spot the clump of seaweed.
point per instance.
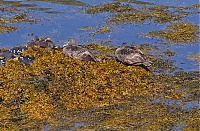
(5, 23)
(7, 28)
(101, 49)
(195, 57)
(18, 18)
(108, 7)
(126, 13)
(85, 28)
(98, 29)
(77, 84)
(177, 33)
(55, 87)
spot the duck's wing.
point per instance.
(46, 44)
(134, 59)
(85, 55)
(132, 56)
(32, 43)
(126, 52)
(72, 50)
(135, 50)
(69, 50)
(79, 52)
(137, 58)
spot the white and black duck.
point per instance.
(5, 55)
(131, 56)
(73, 50)
(16, 52)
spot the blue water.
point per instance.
(67, 20)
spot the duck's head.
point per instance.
(70, 42)
(48, 40)
(36, 38)
(123, 45)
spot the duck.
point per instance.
(44, 42)
(73, 50)
(33, 42)
(4, 56)
(130, 55)
(15, 53)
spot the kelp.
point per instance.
(195, 57)
(101, 49)
(19, 16)
(177, 33)
(104, 95)
(126, 13)
(7, 28)
(76, 84)
(97, 29)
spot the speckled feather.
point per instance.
(131, 56)
(72, 49)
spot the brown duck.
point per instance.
(73, 50)
(44, 42)
(131, 56)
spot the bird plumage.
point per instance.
(131, 56)
(44, 42)
(73, 50)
